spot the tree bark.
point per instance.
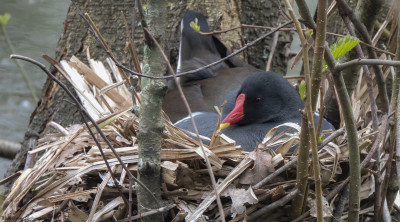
(74, 40)
(150, 121)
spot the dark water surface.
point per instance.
(34, 29)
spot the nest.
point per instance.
(70, 180)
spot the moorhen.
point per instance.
(209, 87)
(263, 101)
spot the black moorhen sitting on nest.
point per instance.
(211, 86)
(264, 100)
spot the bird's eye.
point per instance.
(258, 100)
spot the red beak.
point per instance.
(237, 113)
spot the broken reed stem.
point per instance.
(310, 115)
(272, 51)
(208, 164)
(321, 110)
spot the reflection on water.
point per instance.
(34, 29)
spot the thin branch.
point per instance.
(364, 35)
(356, 62)
(291, 29)
(148, 213)
(319, 47)
(267, 209)
(367, 74)
(302, 169)
(310, 115)
(292, 162)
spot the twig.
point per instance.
(310, 115)
(352, 138)
(267, 209)
(302, 169)
(291, 29)
(292, 162)
(209, 168)
(21, 68)
(131, 46)
(319, 47)
(367, 74)
(148, 213)
(356, 62)
(341, 204)
(364, 35)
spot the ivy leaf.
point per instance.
(321, 139)
(302, 90)
(4, 19)
(195, 25)
(343, 46)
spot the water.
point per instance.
(34, 29)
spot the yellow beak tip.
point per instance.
(224, 125)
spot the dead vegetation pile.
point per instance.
(70, 180)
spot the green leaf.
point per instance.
(302, 90)
(343, 46)
(4, 18)
(195, 25)
(309, 32)
(321, 139)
